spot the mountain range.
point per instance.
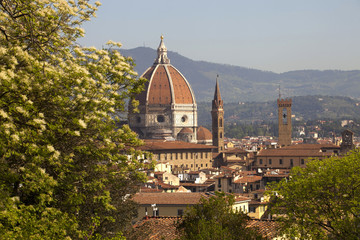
(240, 84)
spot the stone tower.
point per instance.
(347, 142)
(284, 107)
(217, 114)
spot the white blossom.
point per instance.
(50, 148)
(56, 154)
(82, 123)
(15, 137)
(3, 113)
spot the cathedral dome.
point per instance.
(186, 130)
(203, 134)
(166, 85)
(167, 102)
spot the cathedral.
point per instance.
(167, 106)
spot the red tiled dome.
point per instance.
(203, 134)
(166, 85)
(186, 130)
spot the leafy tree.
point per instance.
(214, 218)
(66, 169)
(321, 201)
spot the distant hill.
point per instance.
(239, 84)
(304, 108)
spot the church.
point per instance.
(167, 106)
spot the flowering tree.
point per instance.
(66, 169)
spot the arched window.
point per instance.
(221, 122)
(284, 115)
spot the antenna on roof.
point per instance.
(279, 92)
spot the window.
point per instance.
(270, 161)
(280, 161)
(138, 119)
(183, 118)
(260, 161)
(180, 212)
(291, 162)
(201, 165)
(284, 116)
(302, 161)
(160, 118)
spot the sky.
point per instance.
(270, 35)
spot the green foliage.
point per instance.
(65, 168)
(214, 218)
(321, 201)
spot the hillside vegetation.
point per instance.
(304, 108)
(250, 85)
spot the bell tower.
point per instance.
(347, 143)
(217, 114)
(284, 108)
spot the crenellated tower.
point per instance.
(284, 108)
(217, 114)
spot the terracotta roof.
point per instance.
(244, 173)
(203, 134)
(296, 152)
(267, 228)
(248, 179)
(167, 186)
(181, 198)
(189, 184)
(311, 146)
(152, 190)
(153, 228)
(235, 150)
(257, 202)
(172, 145)
(165, 228)
(242, 199)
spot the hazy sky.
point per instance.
(273, 35)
